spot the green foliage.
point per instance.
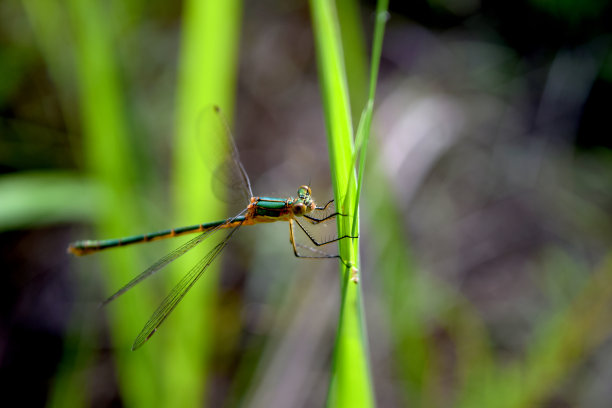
(351, 384)
(441, 348)
(207, 76)
(46, 198)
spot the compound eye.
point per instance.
(299, 208)
(303, 191)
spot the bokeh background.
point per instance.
(486, 228)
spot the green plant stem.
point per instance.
(351, 384)
(207, 76)
(365, 123)
(109, 160)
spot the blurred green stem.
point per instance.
(207, 76)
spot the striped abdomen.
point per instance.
(88, 246)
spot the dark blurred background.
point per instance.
(485, 215)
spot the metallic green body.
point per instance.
(272, 203)
(271, 207)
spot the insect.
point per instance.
(301, 211)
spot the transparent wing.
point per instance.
(166, 260)
(320, 231)
(321, 235)
(179, 291)
(230, 181)
(308, 251)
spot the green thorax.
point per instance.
(276, 207)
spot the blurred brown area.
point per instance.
(491, 126)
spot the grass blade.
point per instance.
(351, 384)
(207, 76)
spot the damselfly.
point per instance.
(301, 211)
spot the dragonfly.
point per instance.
(301, 211)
